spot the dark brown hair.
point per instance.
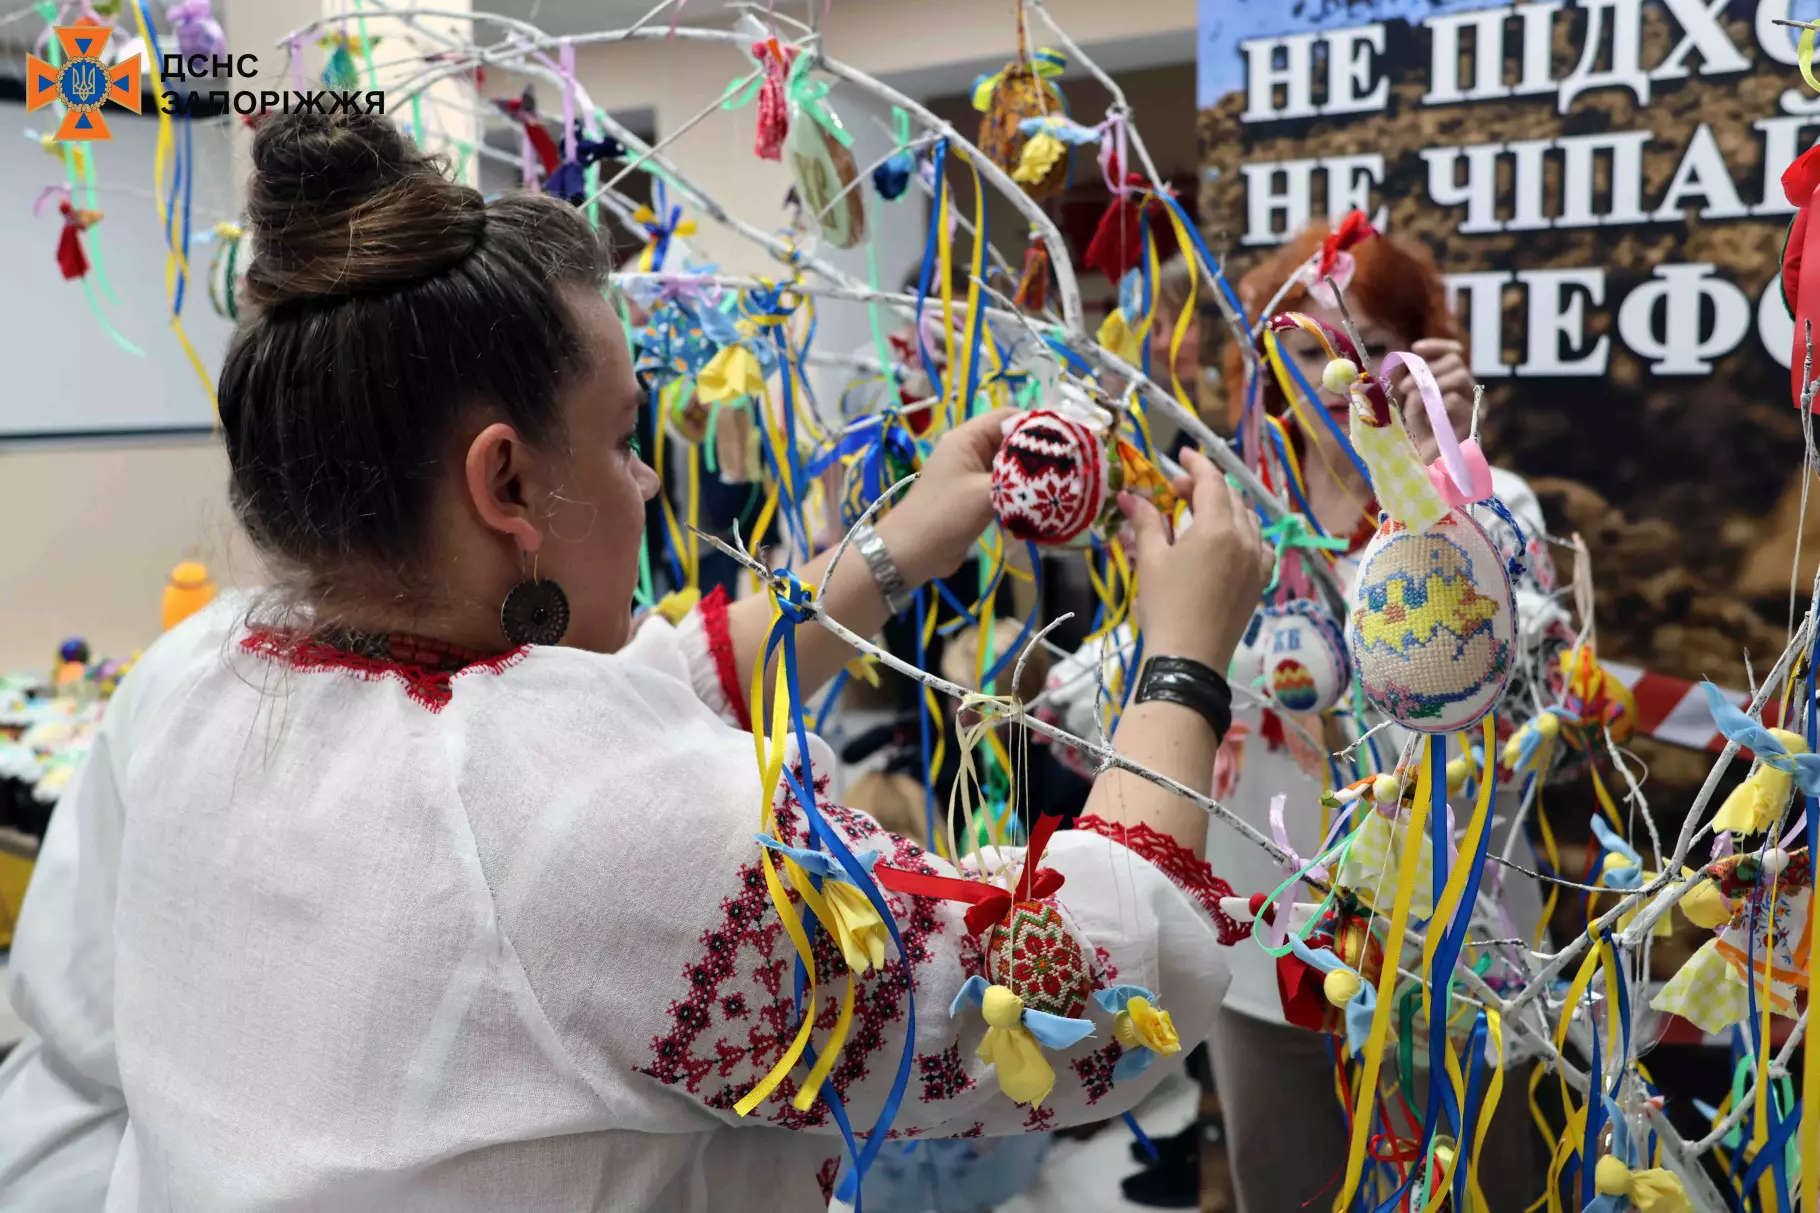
(388, 303)
(1395, 283)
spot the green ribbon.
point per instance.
(1294, 531)
(810, 95)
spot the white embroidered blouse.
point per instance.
(398, 940)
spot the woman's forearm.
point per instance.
(1171, 740)
(853, 598)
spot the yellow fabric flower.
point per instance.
(1041, 151)
(1755, 804)
(1141, 1024)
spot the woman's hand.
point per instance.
(1197, 591)
(1448, 362)
(931, 530)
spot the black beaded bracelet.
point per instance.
(1184, 681)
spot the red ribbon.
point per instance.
(989, 903)
(1353, 229)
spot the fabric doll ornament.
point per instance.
(1303, 666)
(1023, 90)
(72, 260)
(1334, 258)
(1769, 894)
(198, 33)
(1370, 868)
(1783, 763)
(821, 162)
(1433, 614)
(1312, 996)
(523, 111)
(838, 904)
(570, 180)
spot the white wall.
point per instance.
(94, 529)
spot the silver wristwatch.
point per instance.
(898, 596)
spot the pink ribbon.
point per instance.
(46, 194)
(698, 289)
(1461, 473)
(296, 63)
(1115, 155)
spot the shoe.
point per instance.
(1168, 1185)
(1168, 1149)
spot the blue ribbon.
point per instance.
(793, 606)
(1320, 410)
(938, 160)
(1629, 876)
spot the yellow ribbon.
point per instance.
(1804, 58)
(1023, 1072)
(770, 746)
(174, 261)
(1367, 1088)
(1046, 63)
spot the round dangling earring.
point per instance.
(535, 612)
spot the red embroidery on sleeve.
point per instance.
(1193, 876)
(713, 608)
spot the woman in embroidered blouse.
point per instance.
(414, 918)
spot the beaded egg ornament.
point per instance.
(1433, 615)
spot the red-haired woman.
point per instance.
(1287, 1135)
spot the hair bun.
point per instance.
(344, 204)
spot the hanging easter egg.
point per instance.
(1247, 666)
(1433, 624)
(1022, 91)
(1302, 657)
(1051, 478)
(824, 171)
(227, 270)
(687, 415)
(1033, 954)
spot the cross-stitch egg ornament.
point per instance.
(1032, 953)
(1433, 624)
(1302, 662)
(1433, 614)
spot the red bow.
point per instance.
(989, 903)
(1800, 181)
(1353, 229)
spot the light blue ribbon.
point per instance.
(1752, 736)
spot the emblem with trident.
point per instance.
(83, 85)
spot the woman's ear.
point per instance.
(496, 472)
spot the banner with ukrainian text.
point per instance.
(1599, 181)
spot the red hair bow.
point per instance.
(988, 903)
(1353, 230)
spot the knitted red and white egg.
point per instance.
(1050, 478)
(1033, 954)
(1433, 626)
(1302, 657)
